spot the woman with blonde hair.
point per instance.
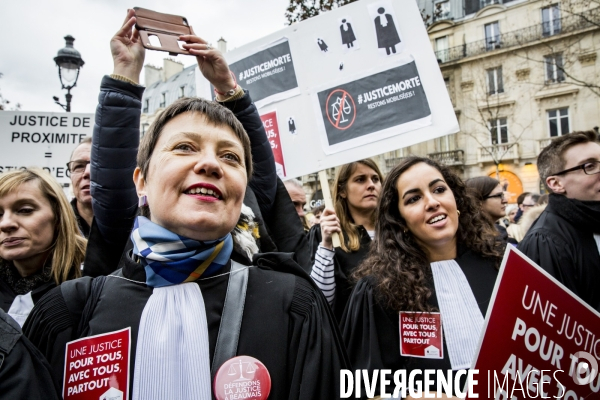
(355, 193)
(40, 243)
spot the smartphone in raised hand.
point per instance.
(160, 31)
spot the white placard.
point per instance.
(324, 60)
(41, 139)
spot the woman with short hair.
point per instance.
(433, 255)
(188, 292)
(355, 192)
(40, 243)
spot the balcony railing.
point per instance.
(442, 16)
(542, 143)
(452, 157)
(498, 152)
(520, 37)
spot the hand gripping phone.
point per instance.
(166, 27)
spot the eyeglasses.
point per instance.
(589, 168)
(77, 166)
(497, 195)
(527, 205)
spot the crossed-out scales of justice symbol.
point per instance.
(249, 369)
(345, 109)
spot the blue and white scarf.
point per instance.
(172, 358)
(170, 259)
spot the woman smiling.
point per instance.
(190, 299)
(433, 255)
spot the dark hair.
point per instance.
(542, 200)
(550, 160)
(342, 210)
(214, 113)
(318, 209)
(396, 262)
(480, 187)
(521, 197)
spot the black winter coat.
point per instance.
(561, 241)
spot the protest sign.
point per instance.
(97, 367)
(269, 74)
(352, 112)
(44, 140)
(539, 341)
(348, 84)
(421, 334)
(272, 129)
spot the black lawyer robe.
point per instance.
(24, 372)
(371, 331)
(286, 323)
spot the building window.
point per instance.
(449, 89)
(146, 106)
(485, 3)
(492, 36)
(495, 84)
(441, 49)
(551, 20)
(444, 143)
(441, 10)
(163, 100)
(499, 131)
(558, 122)
(554, 68)
(144, 128)
(181, 92)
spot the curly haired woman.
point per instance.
(434, 257)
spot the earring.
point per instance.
(142, 201)
(405, 231)
(458, 212)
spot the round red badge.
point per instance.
(242, 377)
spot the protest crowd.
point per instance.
(187, 239)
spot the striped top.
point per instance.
(323, 272)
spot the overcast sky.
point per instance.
(32, 32)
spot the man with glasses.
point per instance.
(79, 170)
(565, 240)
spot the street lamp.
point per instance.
(69, 62)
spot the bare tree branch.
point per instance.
(299, 10)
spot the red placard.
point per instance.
(97, 367)
(421, 335)
(539, 341)
(272, 128)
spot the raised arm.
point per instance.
(116, 137)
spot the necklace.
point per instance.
(201, 279)
(224, 273)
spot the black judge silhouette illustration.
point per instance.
(292, 126)
(322, 45)
(387, 35)
(348, 37)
